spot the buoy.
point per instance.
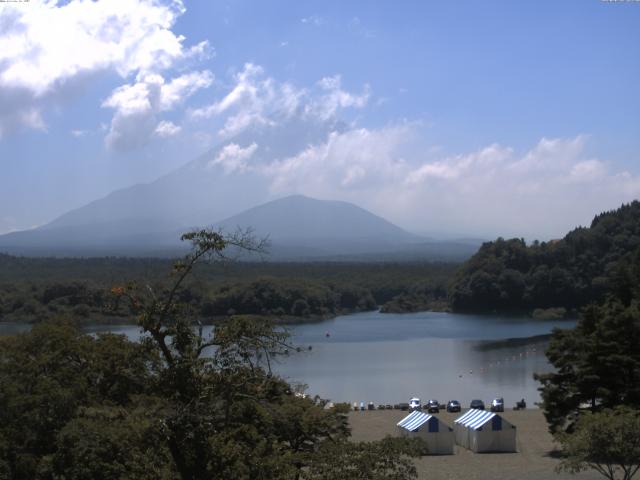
(327, 334)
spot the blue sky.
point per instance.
(447, 90)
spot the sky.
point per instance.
(448, 118)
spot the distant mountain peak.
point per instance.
(298, 217)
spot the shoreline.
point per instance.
(536, 458)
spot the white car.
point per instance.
(414, 404)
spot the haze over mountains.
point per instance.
(230, 187)
(298, 228)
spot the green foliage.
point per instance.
(608, 442)
(177, 405)
(288, 297)
(387, 459)
(110, 442)
(46, 375)
(569, 273)
(34, 289)
(425, 295)
(598, 362)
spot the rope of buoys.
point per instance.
(493, 364)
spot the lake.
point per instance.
(388, 358)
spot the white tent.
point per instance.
(482, 431)
(437, 435)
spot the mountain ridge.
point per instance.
(300, 228)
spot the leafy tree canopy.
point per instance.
(607, 442)
(177, 405)
(570, 272)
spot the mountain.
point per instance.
(298, 228)
(222, 188)
(224, 181)
(298, 218)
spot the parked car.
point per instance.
(454, 406)
(477, 404)
(497, 405)
(414, 404)
(433, 406)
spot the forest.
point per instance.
(80, 407)
(552, 278)
(34, 289)
(564, 274)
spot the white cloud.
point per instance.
(588, 170)
(335, 98)
(233, 158)
(358, 159)
(183, 87)
(167, 129)
(137, 106)
(257, 100)
(47, 45)
(542, 192)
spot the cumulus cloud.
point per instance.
(542, 192)
(357, 159)
(137, 106)
(50, 44)
(167, 129)
(335, 98)
(233, 158)
(257, 100)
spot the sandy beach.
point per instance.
(533, 461)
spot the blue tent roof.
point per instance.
(475, 419)
(414, 421)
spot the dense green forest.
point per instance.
(33, 289)
(597, 362)
(76, 406)
(591, 399)
(568, 273)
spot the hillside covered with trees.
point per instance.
(34, 289)
(509, 275)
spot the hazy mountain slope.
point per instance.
(204, 190)
(302, 218)
(299, 228)
(147, 219)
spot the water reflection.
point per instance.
(387, 358)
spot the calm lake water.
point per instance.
(388, 358)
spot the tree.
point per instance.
(387, 459)
(48, 374)
(228, 416)
(608, 442)
(177, 405)
(597, 364)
